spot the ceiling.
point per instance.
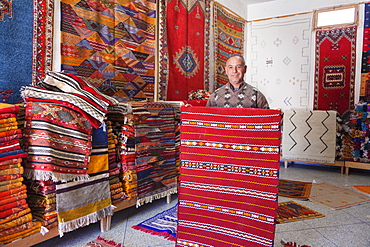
(255, 1)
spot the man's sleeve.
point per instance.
(262, 101)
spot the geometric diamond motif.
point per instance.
(187, 62)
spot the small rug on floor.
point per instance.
(101, 242)
(163, 224)
(294, 189)
(362, 188)
(291, 211)
(335, 197)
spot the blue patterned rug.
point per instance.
(163, 224)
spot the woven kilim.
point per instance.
(291, 211)
(362, 188)
(309, 136)
(111, 45)
(335, 63)
(365, 66)
(294, 189)
(335, 197)
(101, 242)
(187, 43)
(163, 224)
(228, 176)
(58, 142)
(155, 151)
(229, 39)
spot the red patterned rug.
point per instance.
(229, 39)
(335, 69)
(101, 242)
(229, 176)
(187, 44)
(42, 39)
(365, 66)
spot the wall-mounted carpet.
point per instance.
(43, 29)
(16, 48)
(111, 45)
(335, 64)
(228, 176)
(365, 66)
(229, 39)
(309, 136)
(184, 48)
(280, 60)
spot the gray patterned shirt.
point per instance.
(246, 96)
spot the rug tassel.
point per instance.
(84, 221)
(150, 199)
(55, 177)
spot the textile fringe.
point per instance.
(55, 177)
(166, 235)
(84, 221)
(310, 160)
(149, 199)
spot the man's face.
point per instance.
(235, 70)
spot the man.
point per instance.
(237, 93)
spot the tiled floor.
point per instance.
(348, 227)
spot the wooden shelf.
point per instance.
(340, 163)
(359, 165)
(38, 237)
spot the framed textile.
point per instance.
(228, 176)
(229, 39)
(111, 45)
(184, 48)
(335, 65)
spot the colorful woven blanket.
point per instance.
(155, 151)
(228, 176)
(58, 141)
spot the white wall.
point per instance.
(286, 7)
(236, 6)
(281, 8)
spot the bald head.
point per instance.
(235, 70)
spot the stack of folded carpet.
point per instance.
(15, 218)
(116, 117)
(115, 183)
(66, 143)
(42, 201)
(355, 135)
(129, 176)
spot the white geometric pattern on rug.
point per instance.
(280, 60)
(309, 136)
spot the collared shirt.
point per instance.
(246, 96)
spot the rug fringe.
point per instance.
(150, 199)
(55, 177)
(84, 221)
(161, 234)
(292, 244)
